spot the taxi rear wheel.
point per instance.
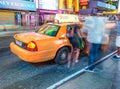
(61, 57)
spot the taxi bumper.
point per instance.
(26, 55)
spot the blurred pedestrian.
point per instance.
(74, 34)
(117, 56)
(94, 27)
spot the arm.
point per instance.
(110, 25)
(88, 25)
(80, 34)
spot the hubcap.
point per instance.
(63, 55)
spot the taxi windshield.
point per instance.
(48, 29)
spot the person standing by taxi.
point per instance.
(117, 56)
(74, 35)
(94, 27)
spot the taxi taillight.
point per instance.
(31, 46)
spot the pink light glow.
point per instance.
(49, 11)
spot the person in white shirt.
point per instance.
(95, 29)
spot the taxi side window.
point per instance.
(52, 31)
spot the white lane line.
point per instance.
(102, 59)
(54, 86)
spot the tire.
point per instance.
(61, 56)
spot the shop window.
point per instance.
(18, 18)
(7, 18)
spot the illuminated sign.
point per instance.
(19, 5)
(104, 5)
(110, 12)
(76, 5)
(110, 0)
(84, 2)
(69, 4)
(61, 2)
(48, 5)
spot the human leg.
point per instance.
(96, 47)
(118, 45)
(93, 55)
(76, 55)
(118, 51)
(117, 56)
(69, 58)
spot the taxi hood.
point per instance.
(31, 36)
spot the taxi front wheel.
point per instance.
(61, 57)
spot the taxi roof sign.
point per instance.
(66, 18)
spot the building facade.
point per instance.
(16, 15)
(94, 6)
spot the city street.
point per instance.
(59, 44)
(17, 74)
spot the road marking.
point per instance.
(54, 86)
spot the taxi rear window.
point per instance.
(49, 29)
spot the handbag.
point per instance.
(81, 43)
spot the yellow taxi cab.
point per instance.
(49, 42)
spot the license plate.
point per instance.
(18, 42)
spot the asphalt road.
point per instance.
(17, 74)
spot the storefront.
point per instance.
(16, 15)
(97, 6)
(47, 10)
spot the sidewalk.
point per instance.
(108, 78)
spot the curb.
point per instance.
(11, 33)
